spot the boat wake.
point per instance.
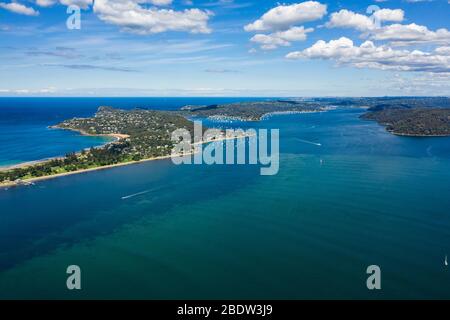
(309, 142)
(135, 194)
(145, 192)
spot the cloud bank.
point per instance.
(368, 55)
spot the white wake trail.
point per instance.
(135, 194)
(309, 142)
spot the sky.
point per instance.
(224, 48)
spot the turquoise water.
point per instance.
(227, 232)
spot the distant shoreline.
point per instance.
(265, 116)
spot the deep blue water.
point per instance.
(363, 197)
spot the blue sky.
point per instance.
(225, 48)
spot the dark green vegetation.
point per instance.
(252, 111)
(413, 122)
(146, 134)
(380, 103)
(149, 131)
(412, 116)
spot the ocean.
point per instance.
(348, 195)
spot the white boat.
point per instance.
(446, 262)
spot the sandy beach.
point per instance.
(33, 180)
(118, 136)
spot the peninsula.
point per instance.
(140, 135)
(417, 122)
(252, 111)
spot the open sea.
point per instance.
(160, 231)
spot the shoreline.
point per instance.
(419, 135)
(54, 176)
(31, 181)
(116, 136)
(263, 117)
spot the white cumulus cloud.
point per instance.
(393, 15)
(84, 4)
(349, 19)
(401, 35)
(19, 8)
(281, 38)
(368, 55)
(45, 3)
(130, 16)
(285, 16)
(396, 34)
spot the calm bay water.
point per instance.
(225, 231)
